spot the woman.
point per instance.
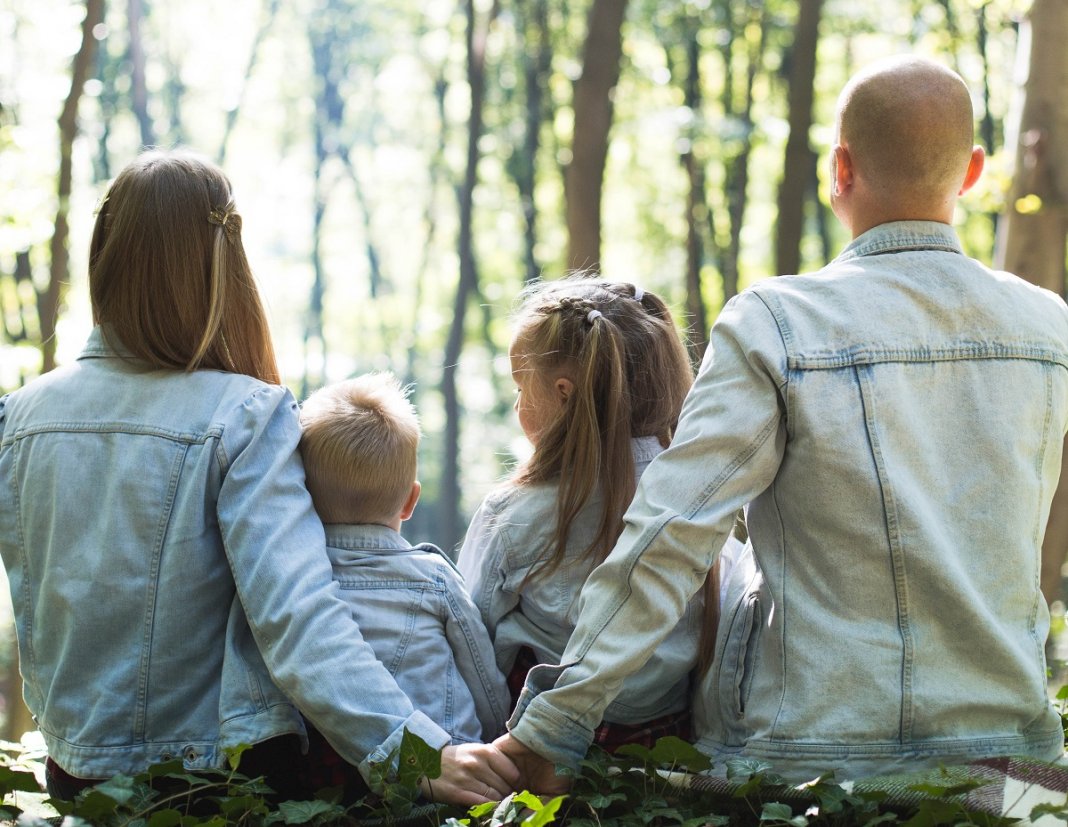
(172, 593)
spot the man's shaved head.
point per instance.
(907, 123)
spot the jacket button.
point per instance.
(190, 754)
(167, 756)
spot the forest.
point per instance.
(403, 168)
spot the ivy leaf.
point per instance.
(483, 809)
(781, 813)
(301, 812)
(738, 768)
(168, 817)
(601, 800)
(1049, 809)
(547, 812)
(417, 759)
(642, 753)
(233, 754)
(12, 780)
(527, 799)
(96, 805)
(672, 751)
(171, 768)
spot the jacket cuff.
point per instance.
(539, 726)
(389, 750)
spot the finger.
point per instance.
(505, 772)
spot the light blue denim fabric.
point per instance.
(507, 536)
(413, 609)
(896, 420)
(165, 564)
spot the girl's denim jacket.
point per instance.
(507, 537)
(896, 421)
(413, 609)
(172, 592)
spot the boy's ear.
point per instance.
(409, 504)
(564, 388)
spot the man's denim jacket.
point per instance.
(896, 421)
(166, 564)
(507, 537)
(412, 608)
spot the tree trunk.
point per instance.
(138, 88)
(696, 207)
(798, 160)
(50, 300)
(584, 178)
(467, 285)
(1031, 241)
(269, 12)
(536, 62)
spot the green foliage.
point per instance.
(635, 787)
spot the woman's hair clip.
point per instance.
(639, 294)
(101, 203)
(225, 218)
(593, 314)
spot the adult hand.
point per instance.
(538, 774)
(471, 774)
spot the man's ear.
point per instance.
(413, 498)
(841, 169)
(564, 388)
(975, 169)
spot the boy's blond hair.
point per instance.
(360, 443)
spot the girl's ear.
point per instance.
(564, 388)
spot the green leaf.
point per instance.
(417, 759)
(1062, 693)
(12, 780)
(527, 799)
(546, 814)
(238, 804)
(165, 818)
(233, 754)
(483, 809)
(642, 753)
(95, 805)
(1049, 809)
(776, 811)
(600, 801)
(746, 768)
(671, 751)
(301, 812)
(169, 768)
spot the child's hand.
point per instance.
(538, 774)
(472, 774)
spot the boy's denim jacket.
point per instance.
(166, 563)
(412, 608)
(896, 421)
(507, 536)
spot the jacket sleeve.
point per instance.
(475, 659)
(727, 450)
(276, 549)
(483, 561)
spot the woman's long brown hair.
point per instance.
(168, 276)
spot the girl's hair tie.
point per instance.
(593, 314)
(639, 294)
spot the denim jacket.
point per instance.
(506, 538)
(172, 592)
(412, 608)
(896, 420)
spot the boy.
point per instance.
(359, 443)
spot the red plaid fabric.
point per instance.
(609, 736)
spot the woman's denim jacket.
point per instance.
(413, 609)
(508, 535)
(896, 421)
(165, 564)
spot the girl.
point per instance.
(601, 375)
(172, 593)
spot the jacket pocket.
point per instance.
(739, 653)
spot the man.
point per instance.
(895, 422)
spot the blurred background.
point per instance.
(403, 167)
